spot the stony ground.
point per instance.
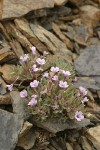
(70, 31)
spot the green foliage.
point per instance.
(53, 101)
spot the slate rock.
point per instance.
(28, 140)
(10, 126)
(53, 126)
(54, 45)
(88, 82)
(12, 8)
(88, 63)
(69, 146)
(26, 127)
(5, 99)
(2, 87)
(19, 105)
(60, 2)
(93, 134)
(90, 15)
(6, 71)
(85, 143)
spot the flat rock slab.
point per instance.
(54, 127)
(10, 9)
(5, 99)
(88, 82)
(13, 8)
(10, 126)
(54, 45)
(93, 134)
(88, 63)
(90, 14)
(19, 105)
(60, 2)
(28, 140)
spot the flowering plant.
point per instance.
(50, 94)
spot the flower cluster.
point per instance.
(51, 93)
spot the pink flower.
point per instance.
(34, 69)
(34, 96)
(45, 53)
(79, 116)
(75, 79)
(10, 87)
(34, 84)
(63, 84)
(33, 102)
(23, 94)
(40, 61)
(33, 50)
(78, 94)
(65, 73)
(24, 57)
(46, 75)
(40, 69)
(84, 100)
(55, 78)
(54, 69)
(83, 91)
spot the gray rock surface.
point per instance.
(54, 127)
(88, 63)
(88, 82)
(2, 87)
(19, 105)
(10, 126)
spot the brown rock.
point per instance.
(5, 99)
(12, 8)
(93, 134)
(90, 15)
(77, 146)
(6, 73)
(6, 57)
(5, 53)
(4, 32)
(68, 146)
(17, 48)
(50, 40)
(76, 2)
(27, 141)
(23, 25)
(60, 2)
(85, 144)
(26, 127)
(98, 93)
(1, 2)
(18, 35)
(57, 30)
(90, 96)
